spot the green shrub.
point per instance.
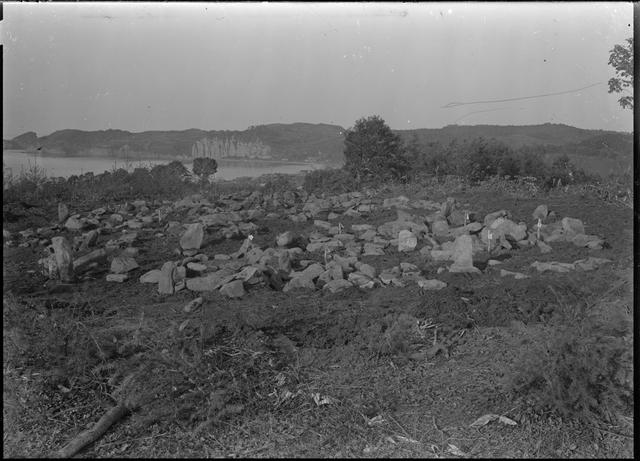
(373, 152)
(582, 366)
(330, 180)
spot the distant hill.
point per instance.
(320, 143)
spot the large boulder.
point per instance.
(192, 237)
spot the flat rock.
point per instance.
(553, 266)
(432, 284)
(123, 264)
(335, 286)
(117, 277)
(233, 289)
(572, 226)
(153, 276)
(299, 282)
(517, 275)
(361, 280)
(211, 281)
(285, 239)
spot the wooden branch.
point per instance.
(91, 435)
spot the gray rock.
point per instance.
(192, 237)
(540, 212)
(591, 241)
(463, 255)
(432, 285)
(572, 226)
(299, 282)
(123, 264)
(74, 223)
(488, 219)
(313, 271)
(233, 289)
(338, 285)
(63, 212)
(194, 304)
(83, 262)
(285, 239)
(544, 248)
(441, 255)
(440, 227)
(361, 280)
(517, 275)
(63, 257)
(366, 269)
(153, 276)
(165, 280)
(407, 241)
(553, 266)
(372, 249)
(211, 281)
(196, 267)
(590, 263)
(119, 278)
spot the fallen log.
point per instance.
(91, 435)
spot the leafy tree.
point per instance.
(204, 167)
(373, 151)
(621, 59)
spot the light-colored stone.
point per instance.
(74, 223)
(153, 276)
(372, 249)
(432, 284)
(463, 255)
(84, 261)
(572, 226)
(488, 219)
(63, 212)
(63, 257)
(544, 248)
(366, 269)
(299, 282)
(361, 280)
(440, 227)
(123, 264)
(407, 241)
(285, 239)
(192, 237)
(234, 289)
(196, 267)
(211, 281)
(119, 278)
(194, 304)
(540, 212)
(553, 266)
(338, 285)
(165, 280)
(516, 275)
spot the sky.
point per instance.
(217, 66)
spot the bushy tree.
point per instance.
(373, 151)
(204, 167)
(621, 59)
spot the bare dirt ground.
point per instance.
(304, 373)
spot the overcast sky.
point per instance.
(154, 66)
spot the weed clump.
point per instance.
(335, 181)
(582, 368)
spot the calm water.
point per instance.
(17, 161)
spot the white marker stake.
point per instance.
(340, 228)
(539, 226)
(489, 237)
(466, 218)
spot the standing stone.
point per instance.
(63, 212)
(407, 241)
(463, 255)
(64, 260)
(165, 280)
(192, 238)
(540, 212)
